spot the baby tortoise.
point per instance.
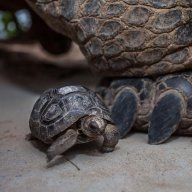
(63, 117)
(162, 106)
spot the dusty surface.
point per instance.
(133, 166)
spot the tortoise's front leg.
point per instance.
(124, 110)
(123, 100)
(62, 144)
(166, 116)
(111, 138)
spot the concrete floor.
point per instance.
(133, 166)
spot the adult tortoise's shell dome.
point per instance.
(57, 109)
(127, 37)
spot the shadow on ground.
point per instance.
(37, 77)
(90, 149)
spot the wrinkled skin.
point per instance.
(126, 37)
(162, 106)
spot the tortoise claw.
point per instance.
(49, 157)
(124, 111)
(62, 144)
(165, 118)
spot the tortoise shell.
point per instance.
(58, 109)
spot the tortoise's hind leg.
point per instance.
(124, 110)
(30, 137)
(62, 144)
(166, 116)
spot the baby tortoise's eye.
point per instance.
(93, 126)
(52, 112)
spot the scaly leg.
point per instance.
(111, 138)
(62, 144)
(124, 110)
(165, 117)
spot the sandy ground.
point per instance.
(133, 166)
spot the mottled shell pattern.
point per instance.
(58, 109)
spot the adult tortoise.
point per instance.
(137, 41)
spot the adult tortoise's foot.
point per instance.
(122, 101)
(165, 117)
(162, 106)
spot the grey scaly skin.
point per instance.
(162, 106)
(127, 37)
(139, 39)
(65, 116)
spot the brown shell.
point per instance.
(57, 109)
